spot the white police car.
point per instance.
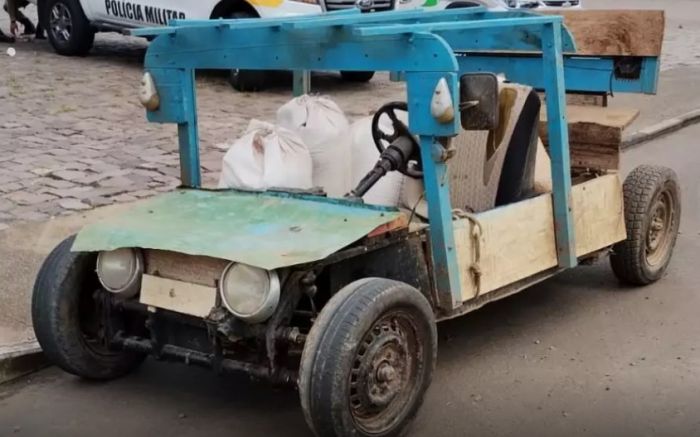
(71, 24)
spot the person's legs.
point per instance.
(5, 38)
(26, 23)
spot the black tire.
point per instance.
(357, 76)
(652, 217)
(80, 35)
(364, 319)
(61, 301)
(247, 80)
(462, 4)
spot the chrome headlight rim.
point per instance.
(132, 285)
(269, 303)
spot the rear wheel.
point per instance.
(652, 218)
(357, 76)
(70, 318)
(247, 80)
(368, 360)
(68, 29)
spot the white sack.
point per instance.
(267, 156)
(387, 190)
(325, 130)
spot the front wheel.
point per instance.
(69, 31)
(652, 217)
(368, 360)
(70, 320)
(357, 76)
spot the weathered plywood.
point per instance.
(182, 297)
(615, 32)
(599, 216)
(202, 270)
(593, 124)
(595, 156)
(518, 240)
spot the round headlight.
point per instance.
(250, 293)
(119, 271)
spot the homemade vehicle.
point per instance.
(334, 296)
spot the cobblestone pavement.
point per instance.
(73, 135)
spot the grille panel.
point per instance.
(561, 2)
(373, 6)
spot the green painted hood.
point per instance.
(268, 230)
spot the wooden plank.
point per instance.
(517, 241)
(182, 297)
(595, 156)
(615, 32)
(202, 270)
(599, 216)
(593, 124)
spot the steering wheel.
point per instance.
(383, 139)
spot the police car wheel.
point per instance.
(247, 80)
(69, 31)
(357, 76)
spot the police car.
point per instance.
(71, 24)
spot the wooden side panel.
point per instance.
(615, 32)
(181, 297)
(599, 216)
(517, 241)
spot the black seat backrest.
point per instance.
(518, 174)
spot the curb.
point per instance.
(20, 359)
(662, 128)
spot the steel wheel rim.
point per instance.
(60, 22)
(385, 372)
(659, 232)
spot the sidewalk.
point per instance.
(23, 248)
(678, 94)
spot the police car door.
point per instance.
(150, 13)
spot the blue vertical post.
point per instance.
(558, 129)
(301, 82)
(442, 239)
(187, 133)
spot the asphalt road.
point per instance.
(576, 355)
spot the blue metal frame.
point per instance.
(420, 47)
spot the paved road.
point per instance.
(573, 356)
